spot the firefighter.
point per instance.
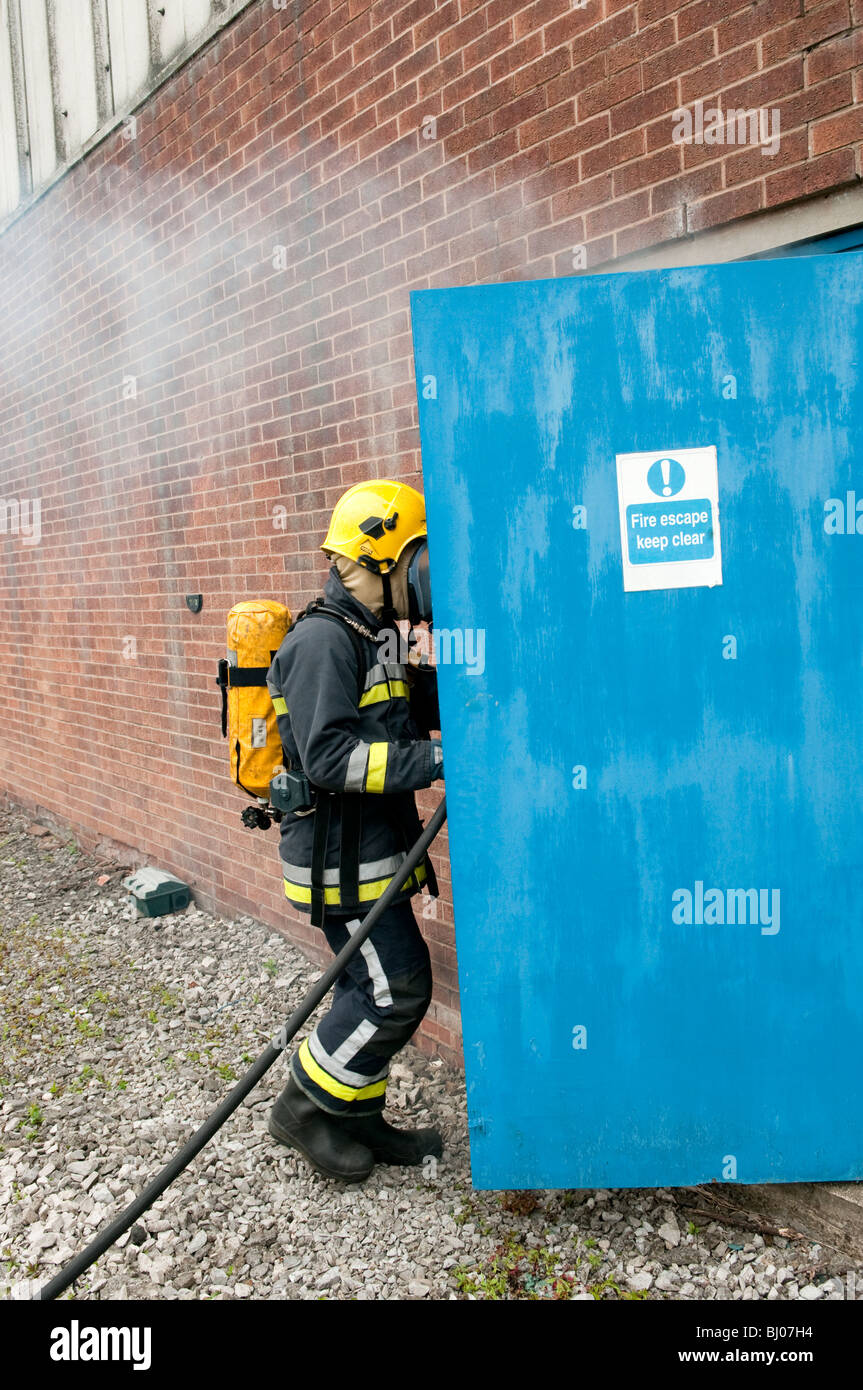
(355, 712)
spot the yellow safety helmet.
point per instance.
(374, 521)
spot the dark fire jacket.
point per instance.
(370, 746)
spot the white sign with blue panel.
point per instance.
(669, 519)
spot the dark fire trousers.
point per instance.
(378, 1003)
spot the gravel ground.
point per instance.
(120, 1033)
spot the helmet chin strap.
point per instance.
(389, 622)
(389, 618)
(389, 615)
(388, 612)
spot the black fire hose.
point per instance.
(106, 1238)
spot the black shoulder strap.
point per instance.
(350, 806)
(318, 609)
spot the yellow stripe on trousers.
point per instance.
(330, 1085)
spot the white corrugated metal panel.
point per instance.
(196, 17)
(170, 29)
(40, 99)
(10, 185)
(77, 68)
(182, 21)
(129, 46)
(76, 73)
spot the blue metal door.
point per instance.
(654, 788)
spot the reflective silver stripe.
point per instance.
(385, 671)
(380, 983)
(370, 870)
(336, 1064)
(357, 763)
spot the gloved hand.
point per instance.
(437, 759)
(418, 658)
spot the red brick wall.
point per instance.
(259, 387)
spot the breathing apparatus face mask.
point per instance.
(419, 586)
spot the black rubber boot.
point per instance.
(388, 1145)
(321, 1138)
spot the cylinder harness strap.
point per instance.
(232, 677)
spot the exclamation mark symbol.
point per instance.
(665, 465)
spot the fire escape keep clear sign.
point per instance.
(669, 519)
